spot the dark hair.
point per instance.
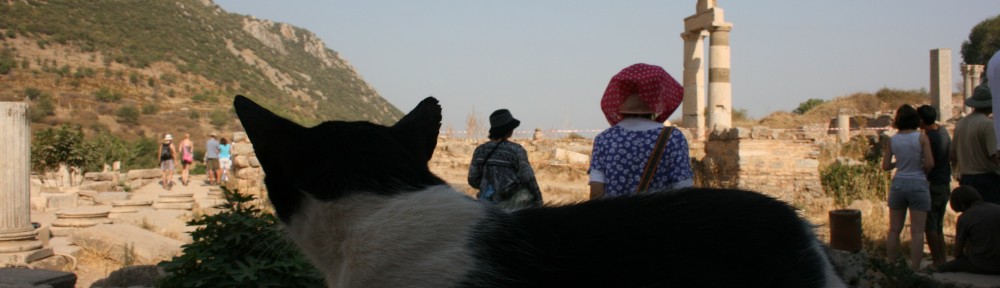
(501, 134)
(223, 141)
(928, 114)
(963, 197)
(906, 118)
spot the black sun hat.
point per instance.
(502, 122)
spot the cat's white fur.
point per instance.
(407, 240)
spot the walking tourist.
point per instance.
(212, 159)
(166, 155)
(187, 158)
(225, 161)
(636, 103)
(500, 168)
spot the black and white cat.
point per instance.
(361, 203)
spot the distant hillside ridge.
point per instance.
(150, 66)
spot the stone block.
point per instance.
(106, 198)
(249, 173)
(242, 149)
(111, 239)
(570, 157)
(239, 137)
(101, 176)
(102, 186)
(59, 200)
(174, 206)
(143, 174)
(22, 277)
(254, 162)
(241, 161)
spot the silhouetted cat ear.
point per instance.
(272, 136)
(420, 127)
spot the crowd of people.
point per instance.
(638, 153)
(217, 160)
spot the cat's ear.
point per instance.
(419, 128)
(273, 137)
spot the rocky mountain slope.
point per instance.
(149, 67)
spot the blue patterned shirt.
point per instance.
(620, 154)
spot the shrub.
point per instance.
(239, 247)
(150, 109)
(54, 146)
(808, 105)
(7, 61)
(41, 107)
(106, 95)
(219, 118)
(128, 115)
(32, 93)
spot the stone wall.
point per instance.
(249, 177)
(783, 164)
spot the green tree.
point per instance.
(239, 247)
(984, 40)
(63, 145)
(808, 105)
(219, 118)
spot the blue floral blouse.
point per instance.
(621, 154)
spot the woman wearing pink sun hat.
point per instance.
(636, 103)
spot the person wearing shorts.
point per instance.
(225, 160)
(166, 155)
(910, 189)
(212, 160)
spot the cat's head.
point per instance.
(337, 159)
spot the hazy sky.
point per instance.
(550, 61)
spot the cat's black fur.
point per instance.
(686, 238)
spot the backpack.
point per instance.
(165, 153)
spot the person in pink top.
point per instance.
(187, 158)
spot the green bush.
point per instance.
(808, 105)
(150, 109)
(106, 95)
(239, 247)
(63, 145)
(32, 93)
(127, 115)
(41, 107)
(219, 118)
(7, 61)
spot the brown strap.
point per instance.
(654, 159)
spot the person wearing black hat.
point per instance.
(973, 150)
(500, 169)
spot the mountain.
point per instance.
(152, 67)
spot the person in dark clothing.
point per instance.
(977, 234)
(939, 179)
(500, 168)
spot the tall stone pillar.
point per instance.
(18, 240)
(694, 82)
(720, 90)
(941, 82)
(976, 75)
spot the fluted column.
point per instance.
(966, 85)
(16, 232)
(720, 90)
(694, 82)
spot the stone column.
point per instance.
(17, 235)
(720, 90)
(941, 82)
(694, 82)
(843, 128)
(967, 85)
(976, 75)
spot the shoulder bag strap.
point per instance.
(482, 166)
(654, 158)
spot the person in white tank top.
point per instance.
(910, 189)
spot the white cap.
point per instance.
(168, 137)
